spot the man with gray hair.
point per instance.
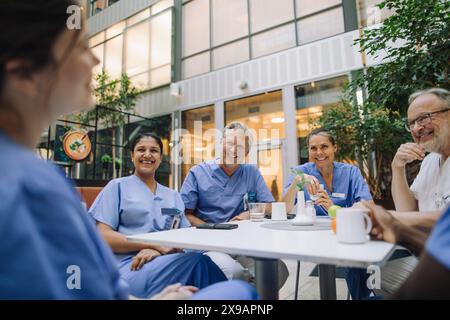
(422, 204)
(218, 190)
(428, 122)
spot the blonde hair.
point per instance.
(236, 125)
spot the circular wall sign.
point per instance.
(77, 145)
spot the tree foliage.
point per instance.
(113, 97)
(415, 46)
(368, 133)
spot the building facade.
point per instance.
(274, 65)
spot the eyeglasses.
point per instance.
(423, 120)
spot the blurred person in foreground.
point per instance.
(46, 72)
(430, 279)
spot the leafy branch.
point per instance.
(303, 182)
(414, 46)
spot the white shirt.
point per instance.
(431, 187)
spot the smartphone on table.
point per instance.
(217, 226)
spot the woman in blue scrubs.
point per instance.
(52, 248)
(343, 185)
(139, 204)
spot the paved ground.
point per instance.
(309, 286)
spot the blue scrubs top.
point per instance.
(128, 206)
(438, 244)
(348, 185)
(216, 197)
(45, 231)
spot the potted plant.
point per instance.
(301, 207)
(117, 166)
(106, 160)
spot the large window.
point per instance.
(273, 40)
(219, 33)
(311, 100)
(161, 47)
(141, 46)
(99, 5)
(263, 114)
(269, 13)
(307, 7)
(113, 56)
(198, 137)
(110, 154)
(197, 64)
(229, 20)
(321, 25)
(230, 54)
(137, 49)
(195, 27)
(99, 53)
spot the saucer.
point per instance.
(302, 221)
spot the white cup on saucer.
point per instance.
(353, 225)
(279, 211)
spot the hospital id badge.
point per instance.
(338, 195)
(175, 222)
(175, 215)
(245, 200)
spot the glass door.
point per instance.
(263, 115)
(271, 161)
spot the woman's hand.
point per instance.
(144, 256)
(243, 216)
(167, 250)
(323, 200)
(312, 182)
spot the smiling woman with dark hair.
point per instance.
(139, 204)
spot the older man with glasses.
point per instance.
(421, 204)
(429, 124)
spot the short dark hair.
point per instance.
(323, 132)
(29, 31)
(141, 136)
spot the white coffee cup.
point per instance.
(279, 211)
(353, 225)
